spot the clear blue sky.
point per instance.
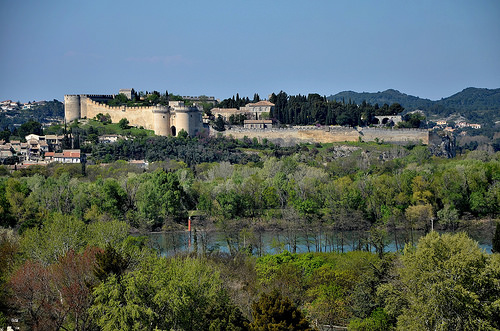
(430, 49)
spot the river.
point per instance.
(273, 242)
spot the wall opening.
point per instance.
(174, 131)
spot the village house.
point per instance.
(47, 143)
(67, 156)
(5, 151)
(255, 110)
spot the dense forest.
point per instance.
(67, 258)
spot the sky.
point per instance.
(431, 49)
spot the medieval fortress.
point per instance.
(170, 120)
(163, 120)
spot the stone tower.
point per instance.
(72, 110)
(161, 119)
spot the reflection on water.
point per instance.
(267, 242)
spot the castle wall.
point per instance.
(137, 116)
(296, 135)
(399, 136)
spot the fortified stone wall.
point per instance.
(396, 136)
(137, 116)
(161, 119)
(292, 136)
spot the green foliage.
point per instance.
(6, 217)
(446, 282)
(103, 118)
(118, 100)
(189, 150)
(413, 120)
(166, 294)
(61, 233)
(274, 312)
(332, 287)
(123, 123)
(29, 128)
(161, 198)
(378, 321)
(219, 124)
(110, 262)
(182, 134)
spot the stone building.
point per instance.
(225, 113)
(255, 110)
(128, 92)
(163, 120)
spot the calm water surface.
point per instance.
(273, 242)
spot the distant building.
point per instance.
(128, 92)
(225, 113)
(5, 151)
(255, 110)
(46, 143)
(67, 156)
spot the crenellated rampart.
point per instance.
(137, 116)
(163, 120)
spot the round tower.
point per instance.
(161, 119)
(182, 119)
(72, 110)
(195, 122)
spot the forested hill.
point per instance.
(389, 97)
(473, 103)
(473, 99)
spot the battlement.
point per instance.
(100, 96)
(122, 108)
(159, 118)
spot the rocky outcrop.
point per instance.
(442, 144)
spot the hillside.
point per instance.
(50, 111)
(476, 104)
(389, 97)
(473, 99)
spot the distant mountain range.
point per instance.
(475, 104)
